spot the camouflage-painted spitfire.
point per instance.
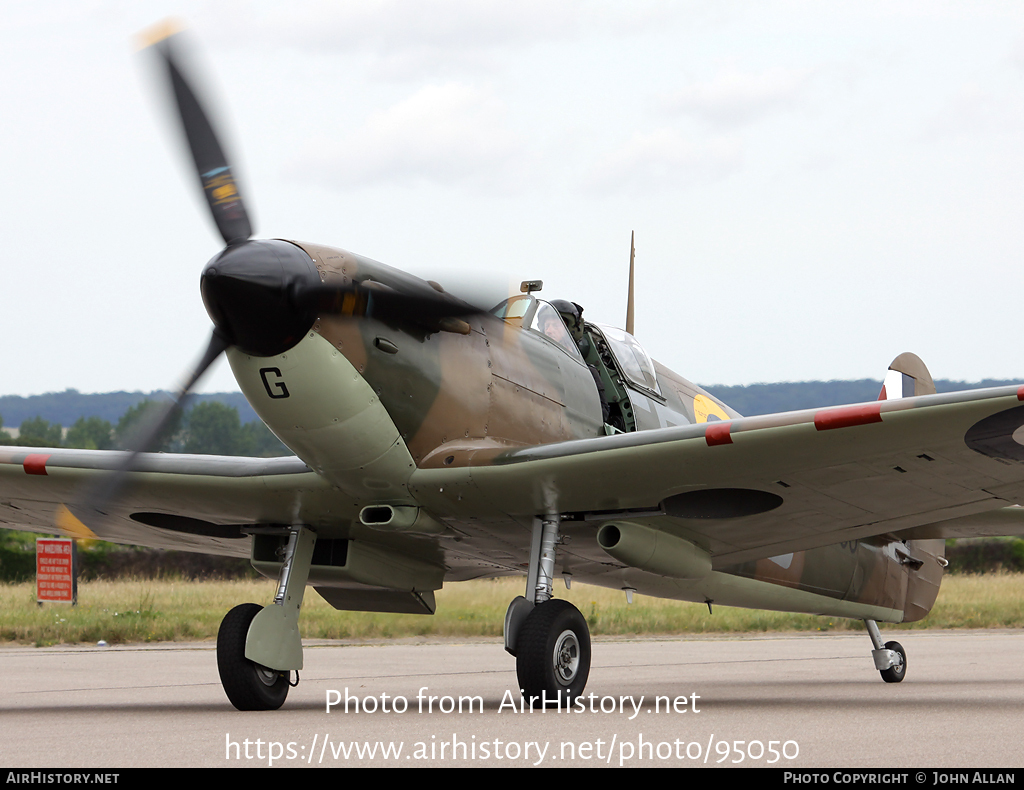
(437, 442)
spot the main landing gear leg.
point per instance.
(890, 658)
(258, 647)
(549, 638)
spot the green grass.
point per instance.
(167, 610)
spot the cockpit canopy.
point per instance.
(539, 316)
(633, 361)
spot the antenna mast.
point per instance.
(629, 302)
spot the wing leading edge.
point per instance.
(185, 502)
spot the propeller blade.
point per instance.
(92, 503)
(214, 171)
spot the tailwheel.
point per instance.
(248, 685)
(898, 670)
(553, 653)
(890, 659)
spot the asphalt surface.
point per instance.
(797, 701)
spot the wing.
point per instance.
(755, 487)
(933, 466)
(187, 502)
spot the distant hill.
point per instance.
(66, 407)
(754, 399)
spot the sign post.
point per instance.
(56, 570)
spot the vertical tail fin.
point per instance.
(907, 376)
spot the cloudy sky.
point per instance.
(814, 187)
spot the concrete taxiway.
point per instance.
(786, 700)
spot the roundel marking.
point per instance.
(999, 435)
(706, 410)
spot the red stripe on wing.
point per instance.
(718, 434)
(35, 464)
(848, 416)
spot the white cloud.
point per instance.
(404, 38)
(740, 98)
(665, 158)
(972, 111)
(444, 134)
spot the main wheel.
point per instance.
(248, 685)
(897, 672)
(553, 653)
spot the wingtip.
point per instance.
(162, 30)
(70, 525)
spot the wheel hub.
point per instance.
(268, 677)
(566, 657)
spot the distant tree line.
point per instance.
(209, 428)
(65, 407)
(752, 399)
(98, 559)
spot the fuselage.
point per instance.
(371, 400)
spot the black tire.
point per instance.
(897, 673)
(553, 653)
(248, 685)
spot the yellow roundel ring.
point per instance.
(704, 407)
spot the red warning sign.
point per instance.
(55, 570)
